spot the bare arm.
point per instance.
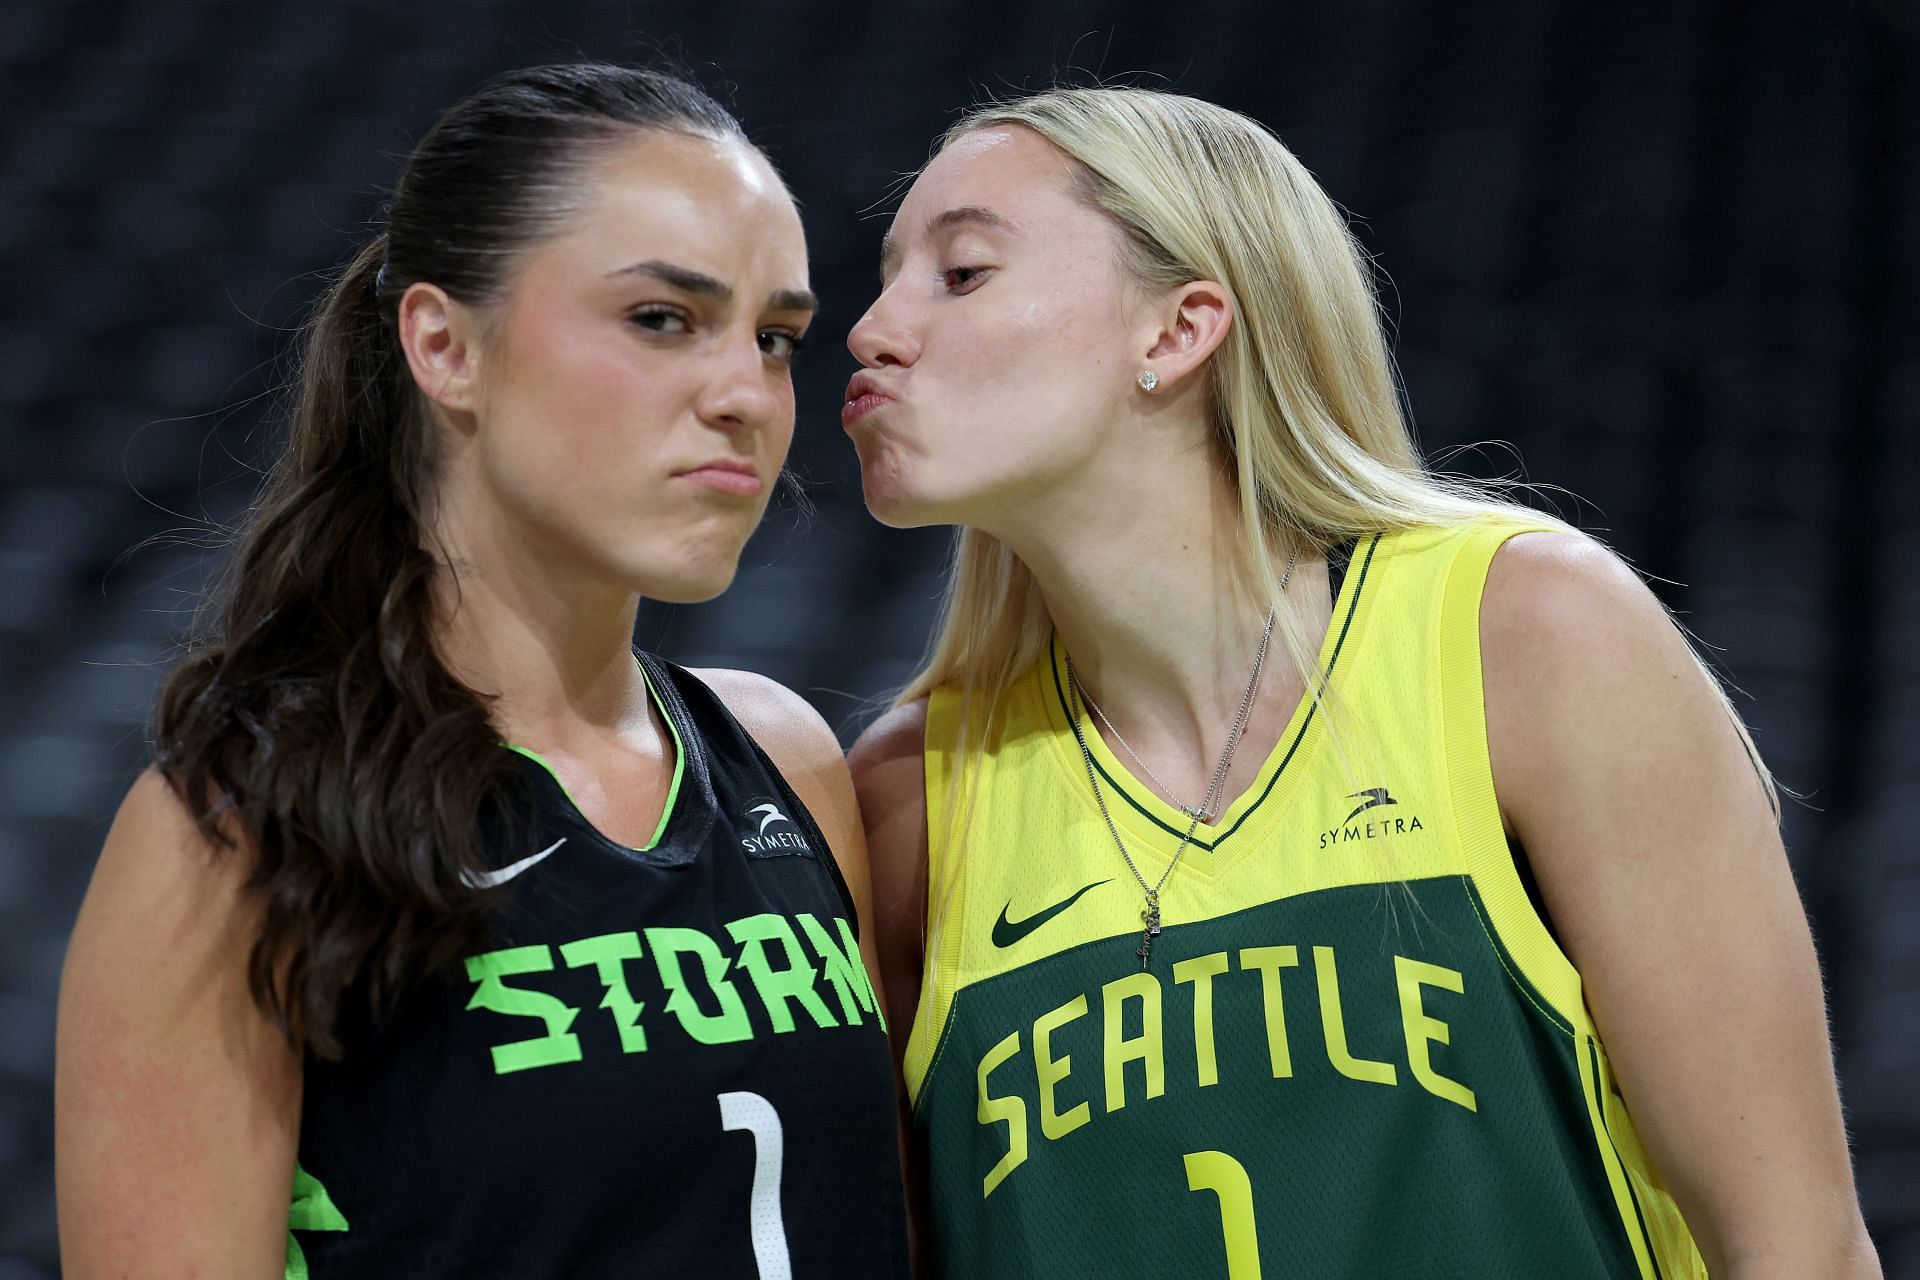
(888, 763)
(887, 766)
(1660, 863)
(176, 1101)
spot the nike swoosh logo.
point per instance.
(1376, 796)
(489, 879)
(1007, 932)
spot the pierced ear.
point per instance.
(438, 335)
(1195, 320)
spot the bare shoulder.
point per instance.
(156, 848)
(786, 725)
(1580, 660)
(888, 778)
(1565, 592)
(162, 895)
(887, 758)
(152, 806)
(1586, 674)
(801, 745)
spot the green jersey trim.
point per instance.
(673, 788)
(679, 761)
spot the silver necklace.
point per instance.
(1202, 810)
(1213, 798)
(1150, 913)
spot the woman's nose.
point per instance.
(879, 338)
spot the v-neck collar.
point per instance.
(1143, 814)
(686, 819)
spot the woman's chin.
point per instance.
(893, 503)
(690, 582)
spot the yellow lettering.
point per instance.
(1270, 961)
(1145, 1049)
(1010, 1110)
(1422, 1028)
(1049, 1071)
(1201, 971)
(1333, 1024)
(1220, 1173)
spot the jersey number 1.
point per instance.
(1220, 1173)
(756, 1115)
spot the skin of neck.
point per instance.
(1140, 557)
(526, 622)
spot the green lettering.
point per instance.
(558, 1044)
(776, 987)
(311, 1209)
(607, 954)
(845, 970)
(730, 1024)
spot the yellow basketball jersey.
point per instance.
(1356, 1049)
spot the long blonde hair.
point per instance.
(1303, 394)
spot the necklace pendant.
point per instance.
(1151, 916)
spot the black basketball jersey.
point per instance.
(670, 1063)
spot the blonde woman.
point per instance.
(1290, 863)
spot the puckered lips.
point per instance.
(864, 395)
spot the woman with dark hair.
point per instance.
(447, 935)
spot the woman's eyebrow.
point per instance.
(793, 300)
(702, 285)
(685, 279)
(962, 215)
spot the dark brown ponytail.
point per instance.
(314, 723)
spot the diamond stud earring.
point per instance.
(1149, 379)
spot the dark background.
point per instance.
(1669, 256)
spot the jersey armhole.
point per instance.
(1520, 931)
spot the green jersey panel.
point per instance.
(1198, 1118)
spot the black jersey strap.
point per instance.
(690, 825)
(722, 733)
(1339, 556)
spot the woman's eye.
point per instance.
(660, 320)
(781, 345)
(963, 279)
